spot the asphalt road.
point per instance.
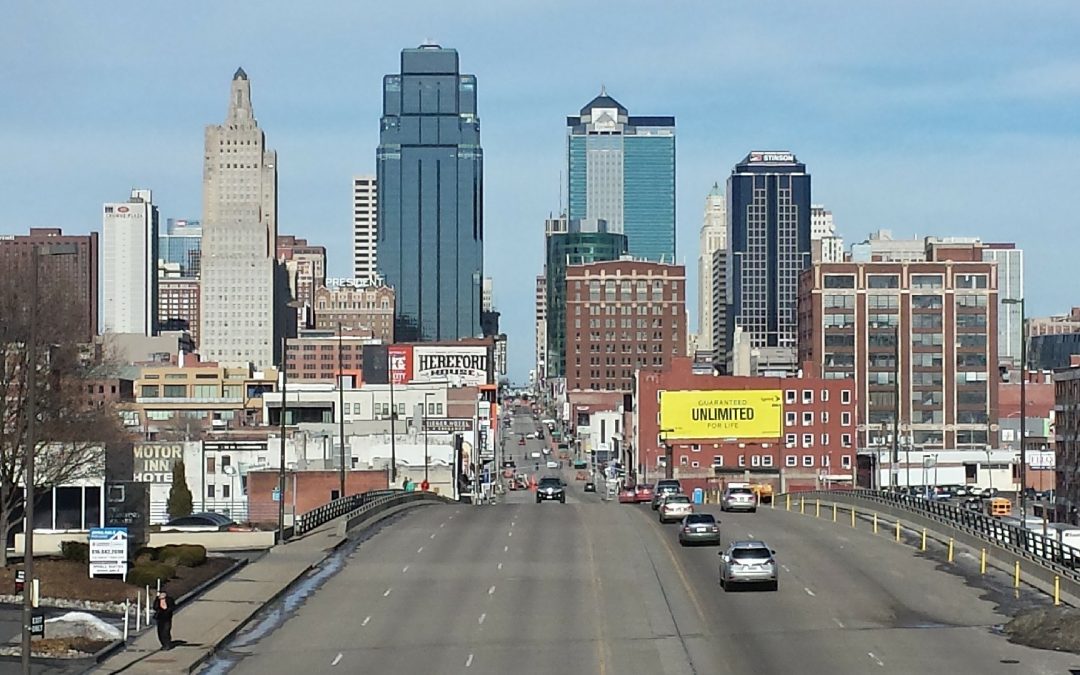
(591, 587)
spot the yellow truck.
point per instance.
(764, 492)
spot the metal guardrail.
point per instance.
(320, 515)
(1028, 542)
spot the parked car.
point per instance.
(748, 562)
(675, 507)
(664, 487)
(699, 528)
(205, 521)
(627, 495)
(643, 492)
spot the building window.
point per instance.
(808, 396)
(225, 491)
(824, 395)
(742, 460)
(695, 447)
(211, 464)
(808, 419)
(695, 465)
(845, 419)
(824, 416)
(789, 396)
(684, 460)
(766, 460)
(808, 440)
(845, 396)
(791, 460)
(808, 460)
(825, 460)
(790, 440)
(210, 491)
(755, 460)
(825, 440)
(845, 440)
(845, 461)
(789, 418)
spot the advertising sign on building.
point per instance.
(108, 551)
(153, 462)
(1041, 460)
(447, 425)
(749, 414)
(401, 363)
(778, 157)
(462, 366)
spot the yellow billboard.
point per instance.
(747, 414)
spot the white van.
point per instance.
(1067, 535)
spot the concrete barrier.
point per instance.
(48, 542)
(216, 541)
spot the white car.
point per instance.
(552, 464)
(534, 455)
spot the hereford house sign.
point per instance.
(153, 462)
(459, 365)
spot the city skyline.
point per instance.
(872, 132)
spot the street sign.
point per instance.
(20, 579)
(37, 625)
(108, 551)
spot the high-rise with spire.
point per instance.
(713, 239)
(242, 291)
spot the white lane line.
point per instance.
(387, 593)
(365, 622)
(481, 619)
(337, 660)
(442, 524)
(468, 661)
(509, 534)
(749, 535)
(838, 622)
(420, 549)
(786, 568)
(451, 517)
(500, 565)
(432, 535)
(876, 659)
(809, 592)
(491, 591)
(404, 569)
(505, 549)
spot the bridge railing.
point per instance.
(356, 504)
(1031, 543)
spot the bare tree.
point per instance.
(70, 435)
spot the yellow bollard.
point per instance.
(834, 512)
(802, 505)
(1016, 575)
(950, 549)
(787, 500)
(982, 562)
(1057, 591)
(817, 508)
(875, 523)
(898, 531)
(853, 516)
(924, 539)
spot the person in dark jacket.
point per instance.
(163, 615)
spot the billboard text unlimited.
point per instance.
(741, 414)
(722, 414)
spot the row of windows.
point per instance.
(967, 281)
(767, 461)
(791, 418)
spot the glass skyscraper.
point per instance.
(431, 187)
(769, 207)
(582, 242)
(621, 169)
(181, 244)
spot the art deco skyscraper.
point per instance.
(241, 284)
(430, 217)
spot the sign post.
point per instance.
(108, 551)
(37, 625)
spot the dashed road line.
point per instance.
(838, 622)
(420, 549)
(387, 593)
(491, 591)
(481, 619)
(404, 569)
(510, 534)
(432, 535)
(468, 661)
(505, 549)
(337, 660)
(809, 592)
(442, 524)
(786, 568)
(876, 659)
(365, 621)
(500, 565)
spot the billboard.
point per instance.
(459, 365)
(153, 462)
(401, 363)
(744, 414)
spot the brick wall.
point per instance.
(313, 489)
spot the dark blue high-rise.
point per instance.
(769, 207)
(430, 210)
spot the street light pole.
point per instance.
(281, 447)
(341, 408)
(1023, 413)
(427, 460)
(393, 418)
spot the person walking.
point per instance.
(425, 485)
(163, 615)
(405, 483)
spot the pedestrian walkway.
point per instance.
(200, 626)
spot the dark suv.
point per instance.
(551, 488)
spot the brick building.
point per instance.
(313, 357)
(311, 489)
(356, 308)
(622, 316)
(306, 267)
(76, 275)
(918, 339)
(811, 444)
(1067, 441)
(178, 305)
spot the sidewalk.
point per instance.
(208, 621)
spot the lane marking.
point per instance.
(838, 622)
(337, 660)
(432, 535)
(451, 517)
(387, 593)
(509, 534)
(365, 622)
(749, 535)
(786, 568)
(505, 549)
(876, 659)
(491, 591)
(809, 592)
(442, 524)
(404, 569)
(420, 549)
(468, 661)
(481, 619)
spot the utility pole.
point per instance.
(281, 459)
(30, 447)
(1023, 413)
(393, 418)
(341, 408)
(894, 477)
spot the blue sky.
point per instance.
(948, 118)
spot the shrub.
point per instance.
(179, 504)
(147, 574)
(187, 555)
(145, 554)
(79, 551)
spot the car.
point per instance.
(521, 441)
(530, 435)
(589, 487)
(675, 507)
(627, 495)
(206, 521)
(989, 493)
(551, 489)
(552, 464)
(534, 455)
(699, 528)
(738, 499)
(665, 487)
(748, 562)
(643, 493)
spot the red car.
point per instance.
(643, 494)
(627, 495)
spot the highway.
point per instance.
(591, 587)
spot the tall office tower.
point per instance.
(769, 198)
(242, 300)
(305, 268)
(1010, 275)
(365, 196)
(129, 238)
(181, 245)
(713, 238)
(621, 169)
(541, 327)
(718, 293)
(825, 244)
(581, 243)
(431, 197)
(76, 274)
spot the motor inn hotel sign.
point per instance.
(463, 366)
(153, 462)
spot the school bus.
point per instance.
(998, 507)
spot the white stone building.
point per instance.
(365, 226)
(713, 238)
(129, 236)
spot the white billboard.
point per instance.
(459, 365)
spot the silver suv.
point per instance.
(748, 562)
(738, 499)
